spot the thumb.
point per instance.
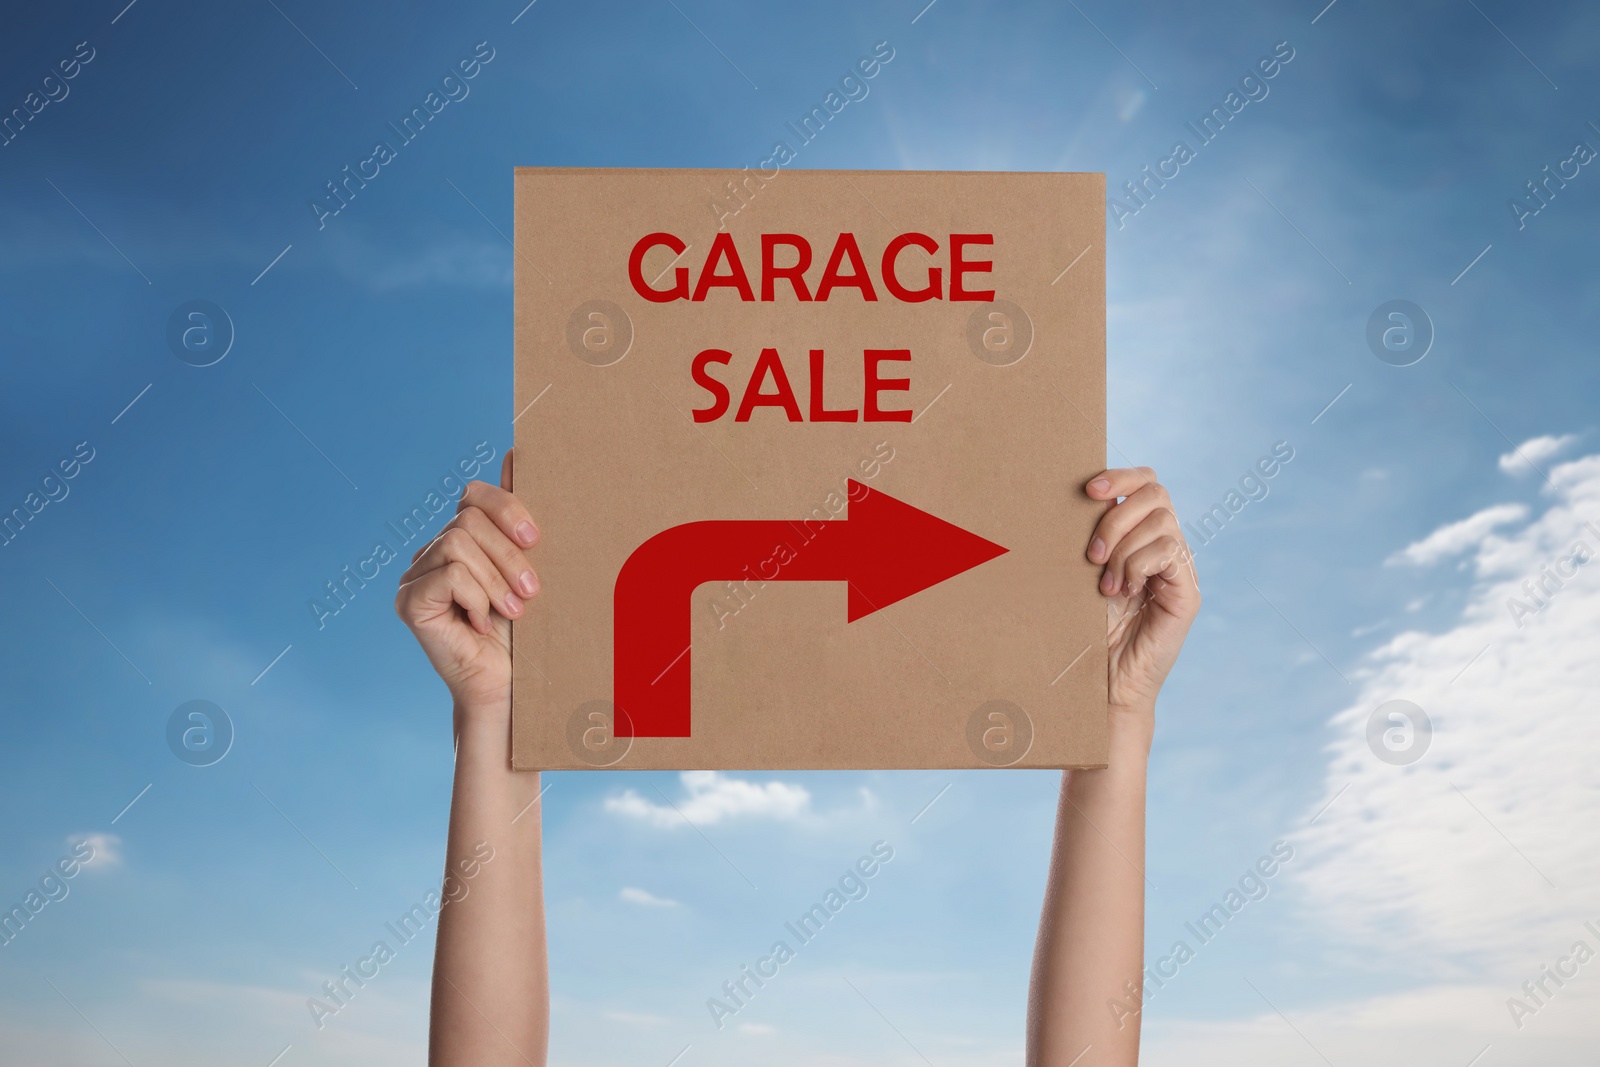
(505, 470)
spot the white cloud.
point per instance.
(1447, 1024)
(633, 1018)
(1467, 872)
(200, 1022)
(1449, 856)
(471, 264)
(757, 1029)
(1534, 451)
(183, 1020)
(645, 897)
(711, 797)
(107, 850)
(1454, 538)
(429, 261)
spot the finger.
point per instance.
(506, 511)
(505, 471)
(1166, 557)
(1121, 517)
(1119, 481)
(506, 557)
(434, 592)
(1159, 523)
(419, 553)
(459, 545)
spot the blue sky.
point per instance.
(375, 353)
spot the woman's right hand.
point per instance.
(463, 588)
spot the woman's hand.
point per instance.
(1090, 950)
(491, 989)
(1148, 579)
(463, 588)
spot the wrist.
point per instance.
(1131, 730)
(482, 718)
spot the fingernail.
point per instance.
(528, 583)
(1097, 550)
(513, 604)
(1100, 485)
(1108, 582)
(526, 532)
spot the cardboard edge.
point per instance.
(1099, 177)
(575, 766)
(811, 170)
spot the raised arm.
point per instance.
(1088, 962)
(490, 978)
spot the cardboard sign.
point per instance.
(807, 457)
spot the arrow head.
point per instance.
(898, 550)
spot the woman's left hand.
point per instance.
(1149, 580)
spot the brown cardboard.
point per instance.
(1002, 664)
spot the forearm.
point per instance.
(1091, 930)
(490, 977)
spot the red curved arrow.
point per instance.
(887, 550)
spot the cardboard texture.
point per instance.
(794, 590)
